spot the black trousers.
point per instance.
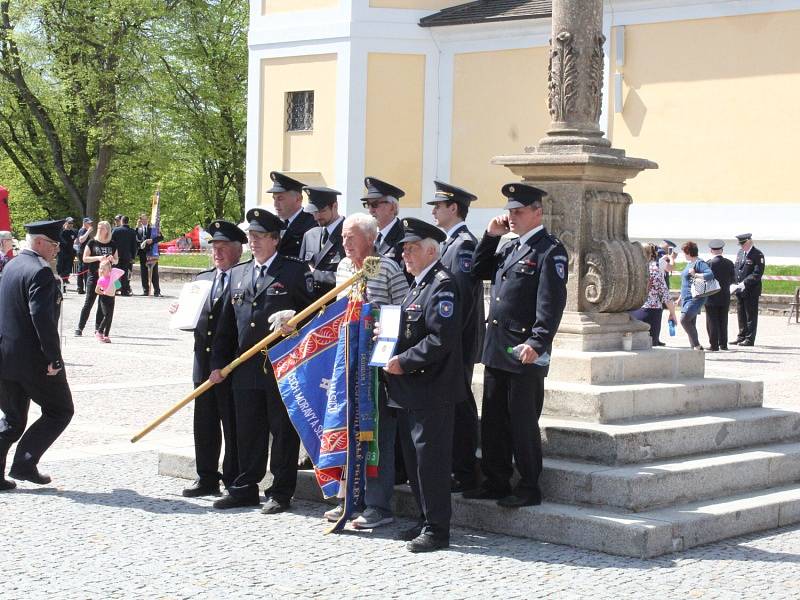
(747, 312)
(88, 303)
(147, 278)
(426, 437)
(105, 310)
(466, 437)
(83, 273)
(125, 280)
(53, 395)
(651, 316)
(717, 326)
(212, 409)
(512, 405)
(259, 414)
(64, 265)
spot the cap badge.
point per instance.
(405, 222)
(273, 176)
(511, 189)
(216, 224)
(256, 213)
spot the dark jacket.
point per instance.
(145, 233)
(430, 330)
(287, 285)
(725, 275)
(29, 311)
(292, 238)
(749, 269)
(457, 252)
(206, 327)
(323, 259)
(125, 238)
(528, 296)
(390, 246)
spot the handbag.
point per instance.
(702, 288)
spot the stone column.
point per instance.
(584, 177)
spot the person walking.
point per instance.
(719, 304)
(84, 235)
(31, 366)
(125, 238)
(690, 307)
(102, 248)
(658, 296)
(66, 252)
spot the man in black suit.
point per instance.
(383, 202)
(287, 195)
(264, 291)
(125, 238)
(528, 295)
(718, 305)
(31, 367)
(66, 252)
(450, 208)
(322, 247)
(215, 407)
(84, 235)
(420, 380)
(749, 269)
(145, 238)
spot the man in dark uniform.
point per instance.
(383, 202)
(420, 382)
(528, 295)
(749, 270)
(31, 367)
(125, 238)
(66, 251)
(450, 208)
(287, 195)
(266, 290)
(145, 239)
(215, 407)
(322, 247)
(718, 305)
(84, 235)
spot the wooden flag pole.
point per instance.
(370, 268)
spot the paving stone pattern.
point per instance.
(110, 527)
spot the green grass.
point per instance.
(201, 259)
(768, 287)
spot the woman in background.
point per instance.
(690, 307)
(657, 297)
(101, 248)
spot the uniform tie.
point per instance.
(219, 287)
(258, 277)
(324, 237)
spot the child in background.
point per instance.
(106, 295)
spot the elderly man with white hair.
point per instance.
(6, 247)
(383, 202)
(388, 286)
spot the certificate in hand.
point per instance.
(190, 304)
(390, 332)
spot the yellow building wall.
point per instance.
(415, 4)
(499, 107)
(275, 6)
(396, 121)
(714, 102)
(310, 155)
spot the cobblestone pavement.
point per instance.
(110, 527)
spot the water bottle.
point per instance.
(671, 324)
(516, 352)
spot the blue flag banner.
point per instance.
(325, 383)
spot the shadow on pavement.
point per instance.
(123, 498)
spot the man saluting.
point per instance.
(30, 356)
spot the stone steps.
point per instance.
(657, 484)
(616, 402)
(617, 367)
(643, 535)
(642, 441)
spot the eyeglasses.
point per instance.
(374, 203)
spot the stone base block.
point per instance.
(612, 403)
(599, 332)
(663, 483)
(656, 364)
(636, 442)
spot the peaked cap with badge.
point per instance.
(451, 193)
(521, 194)
(50, 229)
(716, 244)
(260, 219)
(283, 183)
(319, 197)
(743, 237)
(417, 229)
(380, 189)
(225, 231)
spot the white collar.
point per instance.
(332, 227)
(418, 279)
(385, 231)
(257, 266)
(451, 232)
(294, 216)
(530, 234)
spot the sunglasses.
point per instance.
(374, 204)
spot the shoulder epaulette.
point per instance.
(442, 275)
(293, 258)
(209, 270)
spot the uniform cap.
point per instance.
(521, 194)
(283, 183)
(378, 189)
(450, 193)
(319, 197)
(6, 235)
(69, 220)
(670, 243)
(225, 231)
(743, 237)
(716, 244)
(262, 220)
(117, 217)
(416, 230)
(50, 229)
(87, 220)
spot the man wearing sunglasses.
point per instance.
(383, 202)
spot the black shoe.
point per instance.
(305, 464)
(78, 333)
(411, 533)
(81, 292)
(428, 542)
(157, 294)
(658, 344)
(127, 294)
(145, 293)
(486, 493)
(201, 489)
(459, 487)
(33, 475)
(273, 507)
(514, 501)
(6, 485)
(236, 502)
(746, 343)
(725, 348)
(736, 342)
(713, 349)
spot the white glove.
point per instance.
(740, 287)
(280, 318)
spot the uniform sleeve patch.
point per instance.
(465, 264)
(309, 283)
(561, 270)
(446, 309)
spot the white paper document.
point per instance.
(390, 318)
(190, 304)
